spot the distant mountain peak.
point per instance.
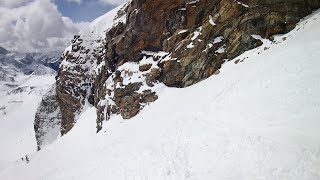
(27, 63)
(3, 50)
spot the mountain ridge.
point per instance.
(13, 63)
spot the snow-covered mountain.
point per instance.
(13, 63)
(213, 90)
(18, 107)
(26, 62)
(15, 66)
(24, 79)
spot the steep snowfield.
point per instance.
(17, 110)
(258, 119)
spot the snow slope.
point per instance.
(258, 119)
(17, 110)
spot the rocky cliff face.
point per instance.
(47, 119)
(119, 67)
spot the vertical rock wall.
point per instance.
(47, 119)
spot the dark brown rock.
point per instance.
(47, 119)
(129, 107)
(145, 67)
(149, 96)
(153, 77)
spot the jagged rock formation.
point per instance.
(47, 119)
(178, 43)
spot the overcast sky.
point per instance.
(45, 25)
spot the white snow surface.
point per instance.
(102, 24)
(211, 21)
(258, 119)
(241, 4)
(17, 112)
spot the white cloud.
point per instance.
(34, 25)
(13, 3)
(114, 2)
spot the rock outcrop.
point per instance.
(47, 119)
(177, 43)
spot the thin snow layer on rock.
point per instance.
(217, 40)
(222, 49)
(242, 4)
(130, 73)
(137, 75)
(47, 119)
(94, 33)
(211, 21)
(258, 119)
(190, 46)
(183, 31)
(195, 36)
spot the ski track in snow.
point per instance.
(258, 119)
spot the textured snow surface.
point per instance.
(258, 119)
(99, 26)
(17, 111)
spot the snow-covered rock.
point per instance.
(106, 63)
(47, 121)
(76, 75)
